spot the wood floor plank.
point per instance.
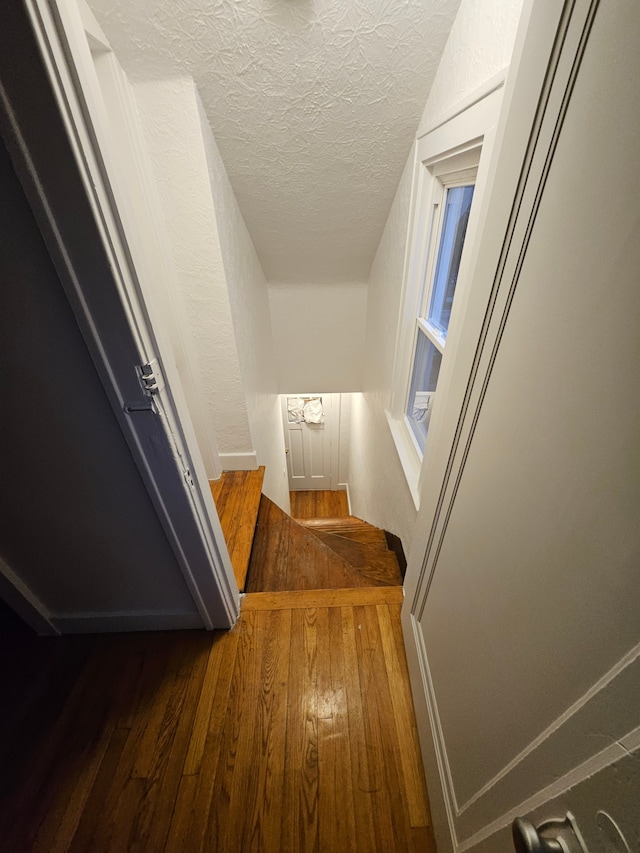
(237, 498)
(383, 778)
(234, 778)
(205, 704)
(296, 599)
(404, 718)
(299, 813)
(393, 748)
(264, 820)
(79, 835)
(203, 800)
(305, 740)
(155, 711)
(336, 816)
(361, 773)
(162, 790)
(110, 804)
(183, 815)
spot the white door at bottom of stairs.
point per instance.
(309, 446)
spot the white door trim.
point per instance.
(52, 142)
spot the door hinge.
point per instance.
(150, 376)
(188, 478)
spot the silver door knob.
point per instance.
(527, 839)
(561, 836)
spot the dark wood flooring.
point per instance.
(293, 732)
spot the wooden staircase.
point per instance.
(309, 554)
(271, 552)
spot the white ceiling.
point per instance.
(313, 103)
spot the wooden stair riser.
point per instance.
(347, 522)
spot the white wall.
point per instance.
(318, 332)
(480, 44)
(141, 208)
(344, 438)
(378, 488)
(247, 288)
(171, 123)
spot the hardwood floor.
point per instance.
(293, 732)
(318, 504)
(237, 498)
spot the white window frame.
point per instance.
(453, 153)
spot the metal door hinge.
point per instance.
(150, 376)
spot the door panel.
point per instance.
(55, 123)
(296, 452)
(309, 446)
(316, 438)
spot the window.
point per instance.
(439, 286)
(451, 161)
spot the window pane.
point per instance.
(454, 228)
(426, 367)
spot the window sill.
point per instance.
(409, 457)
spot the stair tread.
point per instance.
(370, 560)
(349, 527)
(344, 521)
(374, 537)
(237, 498)
(287, 556)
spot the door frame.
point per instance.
(51, 140)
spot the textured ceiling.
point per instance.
(313, 103)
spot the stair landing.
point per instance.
(318, 504)
(237, 498)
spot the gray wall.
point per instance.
(77, 524)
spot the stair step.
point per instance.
(346, 522)
(370, 560)
(287, 556)
(237, 498)
(318, 503)
(303, 598)
(350, 527)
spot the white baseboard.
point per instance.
(239, 461)
(344, 487)
(120, 622)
